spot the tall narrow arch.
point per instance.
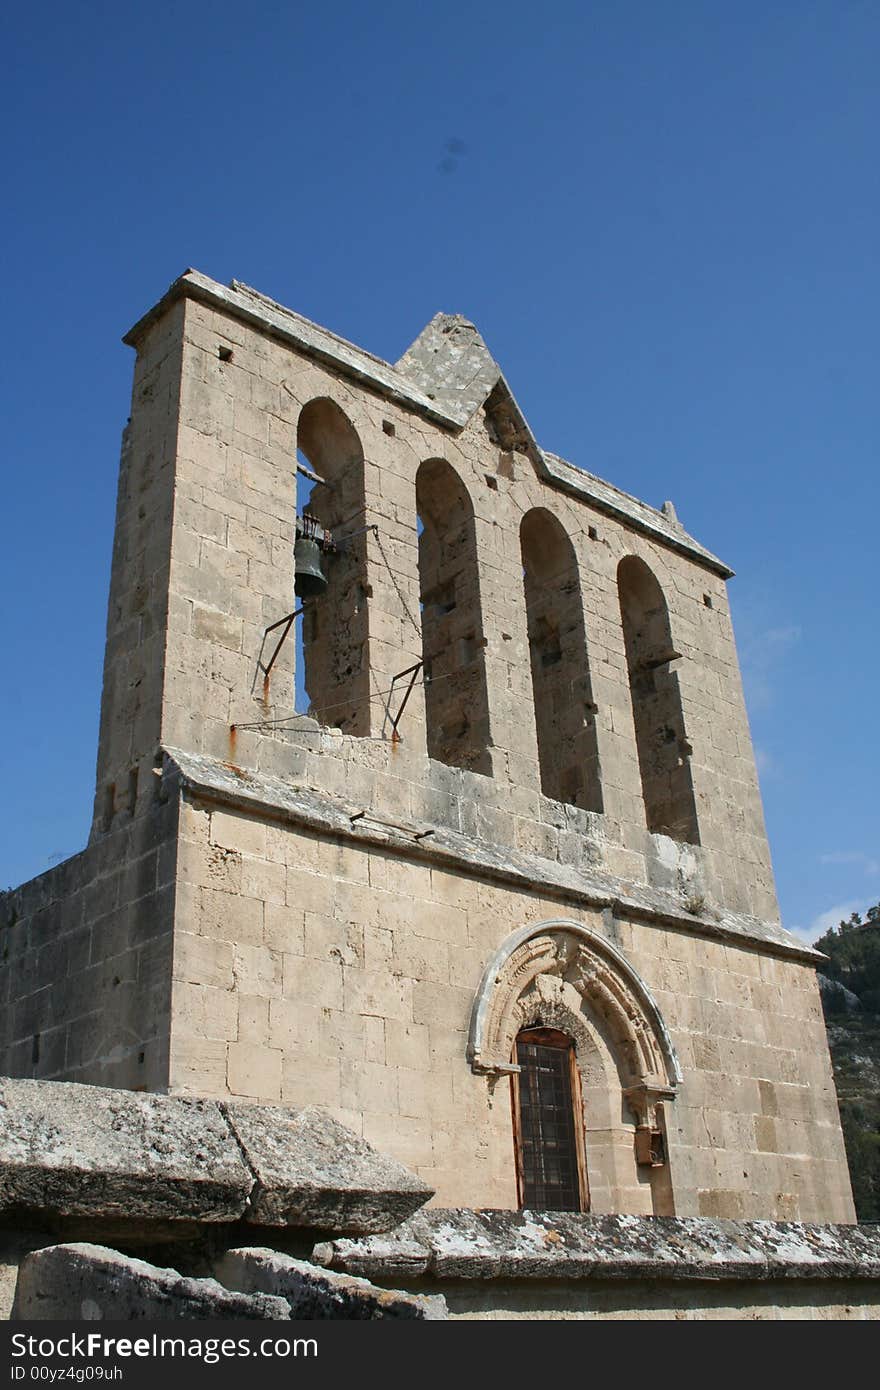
(661, 741)
(565, 714)
(453, 647)
(335, 625)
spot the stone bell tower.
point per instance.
(498, 894)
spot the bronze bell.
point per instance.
(309, 580)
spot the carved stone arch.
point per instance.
(530, 975)
(560, 975)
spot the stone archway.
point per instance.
(561, 974)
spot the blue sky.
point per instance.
(663, 218)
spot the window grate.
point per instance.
(548, 1146)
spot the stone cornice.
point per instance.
(255, 793)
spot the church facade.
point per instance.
(502, 901)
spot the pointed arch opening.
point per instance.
(565, 713)
(561, 977)
(335, 676)
(663, 749)
(453, 646)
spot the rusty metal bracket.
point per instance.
(287, 623)
(412, 672)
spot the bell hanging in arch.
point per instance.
(309, 579)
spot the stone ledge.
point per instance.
(130, 1158)
(260, 793)
(484, 1245)
(73, 1150)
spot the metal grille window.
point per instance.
(549, 1140)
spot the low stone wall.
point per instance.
(499, 1264)
(187, 1174)
(234, 1195)
(88, 1283)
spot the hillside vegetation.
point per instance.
(850, 981)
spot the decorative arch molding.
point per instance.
(527, 978)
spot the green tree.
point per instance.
(853, 951)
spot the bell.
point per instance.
(309, 578)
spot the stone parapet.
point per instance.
(461, 1244)
(561, 1265)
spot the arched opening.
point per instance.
(333, 667)
(663, 749)
(565, 714)
(560, 977)
(453, 648)
(548, 1123)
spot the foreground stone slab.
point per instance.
(462, 1244)
(71, 1150)
(312, 1171)
(312, 1292)
(84, 1282)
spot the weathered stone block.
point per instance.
(82, 1282)
(312, 1171)
(70, 1150)
(312, 1292)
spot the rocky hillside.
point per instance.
(850, 983)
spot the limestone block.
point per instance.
(254, 1070)
(316, 1083)
(312, 1292)
(312, 1171)
(72, 1150)
(218, 627)
(82, 1282)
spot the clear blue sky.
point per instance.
(663, 218)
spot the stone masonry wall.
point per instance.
(311, 970)
(137, 611)
(223, 951)
(85, 960)
(232, 574)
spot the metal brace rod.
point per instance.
(342, 541)
(412, 672)
(287, 621)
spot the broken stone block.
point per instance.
(71, 1150)
(312, 1171)
(312, 1292)
(84, 1282)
